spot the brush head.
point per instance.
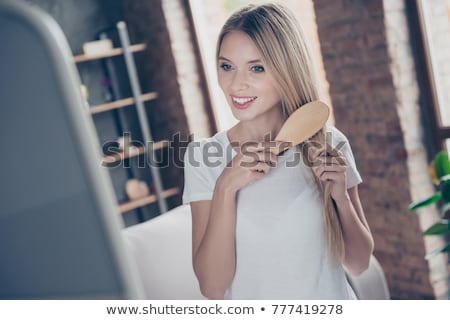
(303, 123)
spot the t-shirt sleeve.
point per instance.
(198, 182)
(340, 142)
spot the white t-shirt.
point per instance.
(281, 244)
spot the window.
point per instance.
(433, 20)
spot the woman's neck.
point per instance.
(260, 129)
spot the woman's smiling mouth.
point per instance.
(242, 102)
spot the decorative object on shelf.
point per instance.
(440, 175)
(97, 47)
(124, 142)
(136, 189)
(111, 53)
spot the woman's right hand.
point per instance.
(252, 162)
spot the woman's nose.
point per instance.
(239, 81)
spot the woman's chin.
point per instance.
(241, 116)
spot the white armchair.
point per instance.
(162, 251)
(162, 248)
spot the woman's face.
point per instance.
(246, 82)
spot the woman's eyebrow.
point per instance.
(255, 61)
(249, 62)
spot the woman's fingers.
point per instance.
(261, 167)
(252, 153)
(326, 151)
(327, 173)
(256, 159)
(330, 176)
(250, 161)
(328, 164)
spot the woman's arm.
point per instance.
(213, 242)
(358, 241)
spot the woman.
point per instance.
(267, 226)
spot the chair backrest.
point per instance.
(59, 223)
(162, 252)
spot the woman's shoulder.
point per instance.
(218, 138)
(334, 136)
(215, 145)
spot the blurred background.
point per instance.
(384, 68)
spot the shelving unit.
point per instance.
(137, 100)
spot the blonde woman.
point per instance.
(266, 226)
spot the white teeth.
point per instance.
(243, 100)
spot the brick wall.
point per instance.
(189, 78)
(373, 87)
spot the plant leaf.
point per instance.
(446, 178)
(438, 229)
(426, 202)
(445, 248)
(444, 209)
(445, 192)
(442, 164)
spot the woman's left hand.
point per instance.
(330, 165)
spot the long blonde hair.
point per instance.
(282, 43)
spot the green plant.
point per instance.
(440, 175)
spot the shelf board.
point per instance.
(121, 103)
(133, 152)
(109, 53)
(128, 206)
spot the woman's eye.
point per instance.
(257, 68)
(225, 66)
